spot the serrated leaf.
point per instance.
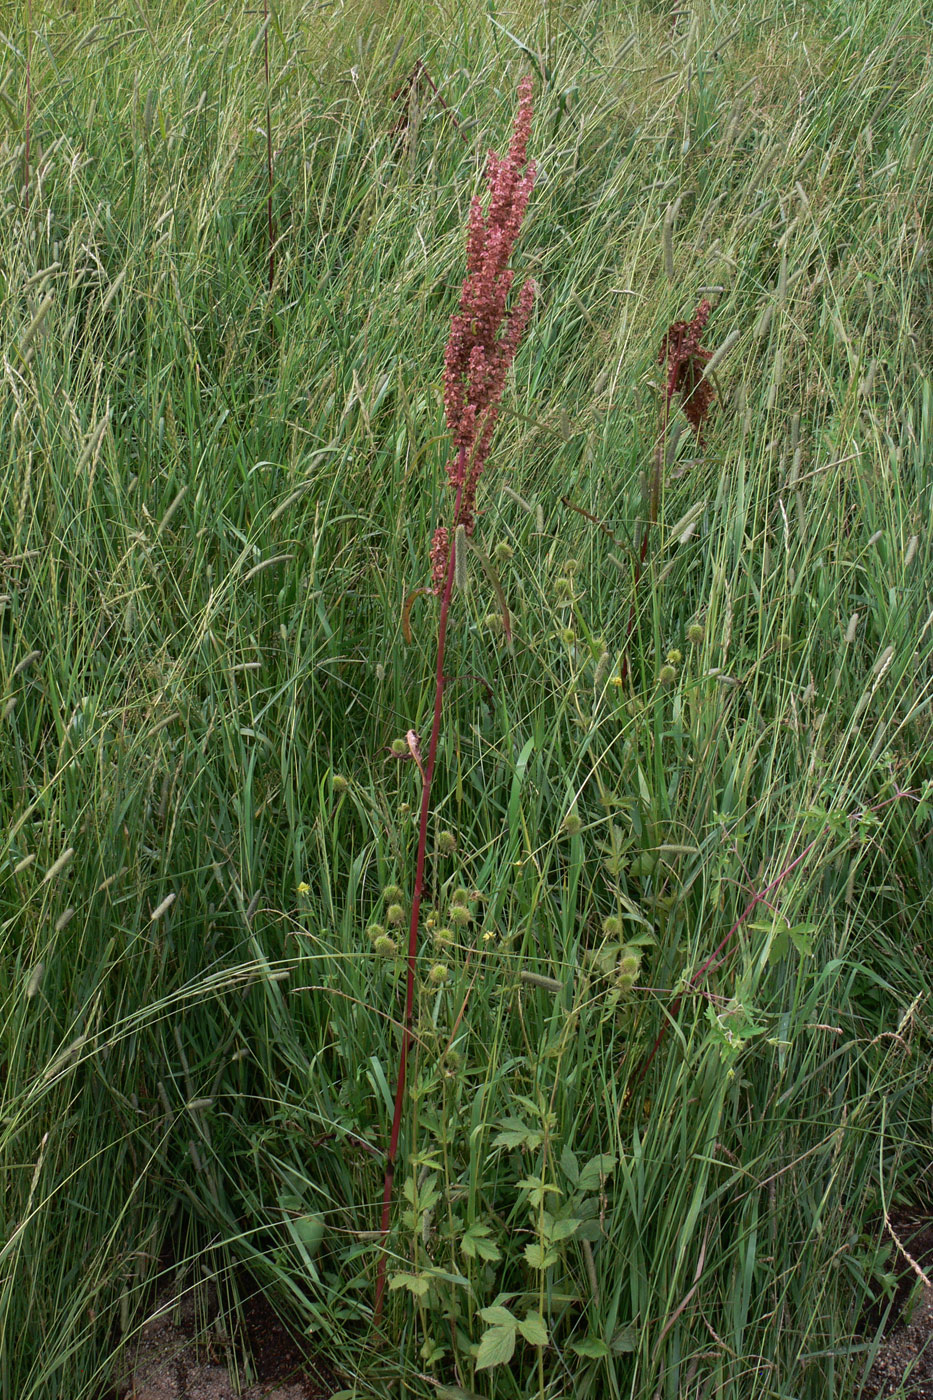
(801, 942)
(570, 1166)
(563, 1229)
(415, 1283)
(624, 1340)
(538, 1189)
(496, 1347)
(778, 947)
(596, 1169)
(476, 1244)
(538, 1257)
(515, 1133)
(498, 1316)
(591, 1346)
(533, 1329)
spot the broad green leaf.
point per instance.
(498, 1316)
(538, 1189)
(801, 941)
(595, 1170)
(533, 1329)
(476, 1244)
(496, 1347)
(562, 1230)
(415, 1283)
(539, 1258)
(515, 1133)
(570, 1166)
(591, 1346)
(624, 1340)
(309, 1230)
(778, 946)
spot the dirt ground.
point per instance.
(183, 1352)
(904, 1365)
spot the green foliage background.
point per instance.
(215, 501)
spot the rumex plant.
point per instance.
(484, 336)
(685, 362)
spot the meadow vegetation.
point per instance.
(672, 1025)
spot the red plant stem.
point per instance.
(269, 149)
(439, 686)
(753, 903)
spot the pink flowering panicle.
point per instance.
(483, 336)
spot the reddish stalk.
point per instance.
(439, 686)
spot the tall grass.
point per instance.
(216, 498)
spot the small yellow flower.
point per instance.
(304, 887)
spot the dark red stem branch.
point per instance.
(704, 967)
(439, 685)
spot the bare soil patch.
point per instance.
(187, 1350)
(904, 1365)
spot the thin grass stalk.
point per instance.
(269, 170)
(28, 100)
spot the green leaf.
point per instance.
(496, 1347)
(533, 1329)
(624, 1340)
(476, 1244)
(417, 1284)
(309, 1230)
(591, 1346)
(538, 1189)
(778, 946)
(570, 1166)
(498, 1316)
(515, 1133)
(596, 1169)
(539, 1258)
(799, 936)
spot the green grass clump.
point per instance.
(216, 504)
